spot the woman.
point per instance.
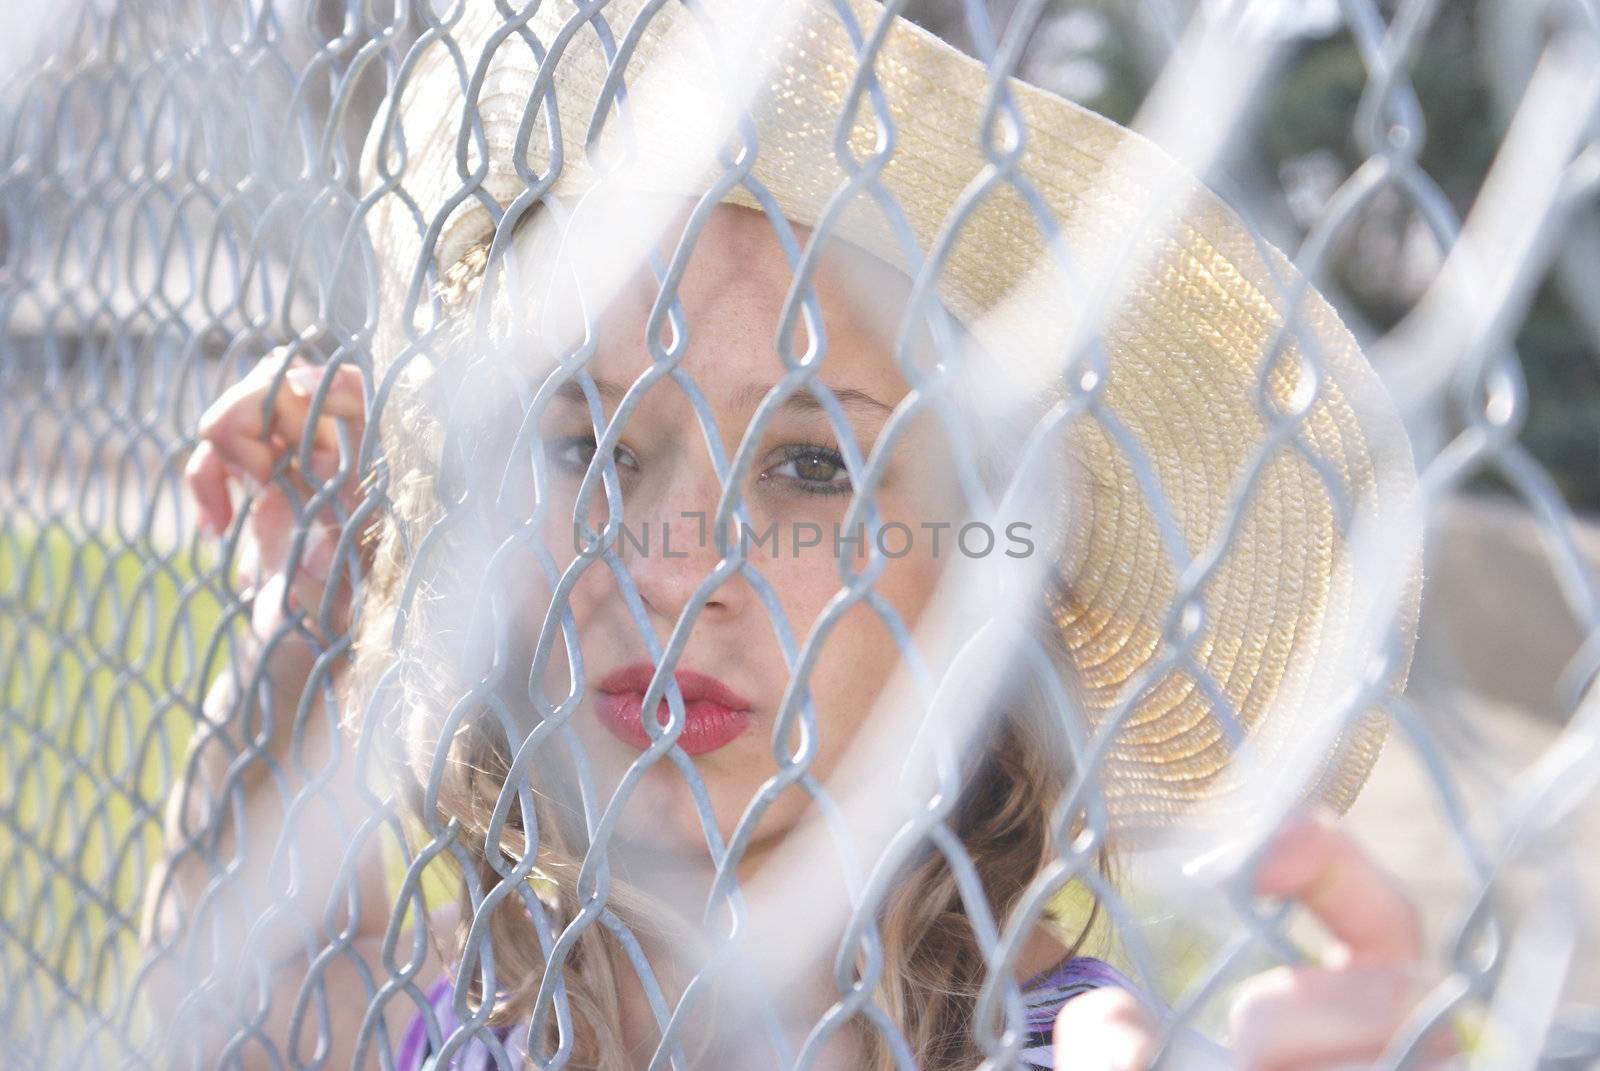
(514, 682)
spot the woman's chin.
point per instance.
(661, 823)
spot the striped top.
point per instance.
(1042, 997)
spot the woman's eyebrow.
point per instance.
(803, 401)
(744, 398)
(571, 390)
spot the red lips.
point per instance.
(715, 715)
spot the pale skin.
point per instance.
(1337, 1012)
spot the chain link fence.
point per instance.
(247, 821)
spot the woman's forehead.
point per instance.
(732, 294)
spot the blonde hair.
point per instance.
(404, 673)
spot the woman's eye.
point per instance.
(575, 452)
(814, 470)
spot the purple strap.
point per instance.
(415, 1043)
(416, 1052)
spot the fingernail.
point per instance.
(303, 379)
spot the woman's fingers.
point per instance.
(206, 476)
(1285, 1019)
(264, 416)
(280, 591)
(1362, 905)
(261, 417)
(1311, 1017)
(342, 399)
(247, 433)
(1105, 1029)
(1347, 1010)
(1344, 1013)
(227, 449)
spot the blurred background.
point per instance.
(178, 180)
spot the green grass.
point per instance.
(106, 651)
(98, 687)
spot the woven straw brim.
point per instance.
(1185, 341)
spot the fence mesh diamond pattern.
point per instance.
(272, 765)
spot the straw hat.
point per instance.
(1291, 613)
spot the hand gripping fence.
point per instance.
(208, 853)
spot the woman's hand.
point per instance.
(242, 793)
(1341, 1012)
(244, 435)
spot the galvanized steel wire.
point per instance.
(180, 197)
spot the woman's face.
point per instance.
(797, 493)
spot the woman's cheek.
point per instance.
(907, 584)
(807, 581)
(804, 582)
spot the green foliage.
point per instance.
(1563, 378)
(1315, 108)
(1312, 110)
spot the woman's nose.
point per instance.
(669, 546)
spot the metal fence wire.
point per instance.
(455, 300)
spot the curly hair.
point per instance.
(458, 726)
